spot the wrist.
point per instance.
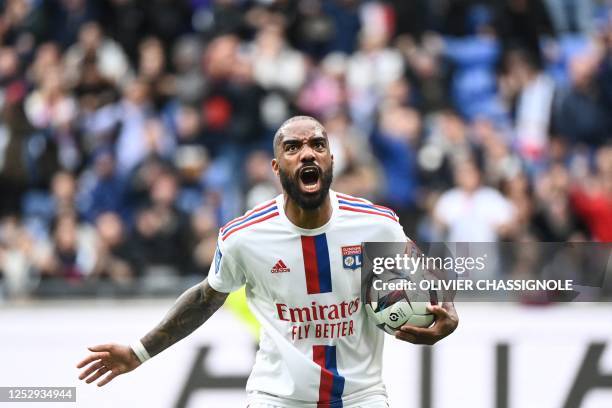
(140, 351)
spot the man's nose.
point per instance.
(307, 154)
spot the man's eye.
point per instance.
(319, 145)
(291, 148)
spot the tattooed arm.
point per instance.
(190, 311)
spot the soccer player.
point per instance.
(317, 348)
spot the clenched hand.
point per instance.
(446, 321)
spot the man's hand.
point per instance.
(114, 358)
(446, 321)
(189, 312)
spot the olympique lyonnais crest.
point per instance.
(351, 257)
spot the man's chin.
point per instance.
(305, 199)
(310, 201)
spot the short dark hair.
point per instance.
(279, 133)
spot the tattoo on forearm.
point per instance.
(189, 312)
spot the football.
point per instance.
(392, 298)
(395, 309)
(392, 309)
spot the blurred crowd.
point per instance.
(130, 130)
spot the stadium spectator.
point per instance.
(162, 236)
(471, 212)
(152, 68)
(168, 19)
(71, 254)
(324, 93)
(474, 58)
(102, 52)
(571, 15)
(17, 173)
(371, 69)
(52, 110)
(521, 23)
(68, 17)
(582, 116)
(115, 254)
(230, 108)
(102, 190)
(529, 94)
(17, 250)
(40, 209)
(554, 218)
(426, 72)
(141, 134)
(205, 234)
(604, 75)
(47, 55)
(395, 142)
(593, 200)
(446, 144)
(500, 163)
(515, 187)
(275, 64)
(23, 23)
(189, 83)
(259, 184)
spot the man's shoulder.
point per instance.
(358, 208)
(359, 215)
(252, 221)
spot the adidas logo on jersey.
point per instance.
(279, 267)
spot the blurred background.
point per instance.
(131, 130)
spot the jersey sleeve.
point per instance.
(225, 274)
(397, 233)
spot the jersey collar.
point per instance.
(303, 231)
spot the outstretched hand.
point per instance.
(446, 321)
(115, 359)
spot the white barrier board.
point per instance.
(502, 355)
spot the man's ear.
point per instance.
(275, 166)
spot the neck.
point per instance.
(308, 219)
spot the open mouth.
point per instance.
(309, 178)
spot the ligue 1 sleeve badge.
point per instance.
(351, 257)
(218, 256)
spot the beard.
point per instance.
(304, 200)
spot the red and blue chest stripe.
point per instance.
(316, 264)
(317, 268)
(331, 384)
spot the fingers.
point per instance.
(101, 347)
(438, 311)
(415, 331)
(401, 335)
(417, 335)
(97, 375)
(108, 378)
(91, 369)
(450, 308)
(100, 357)
(93, 357)
(441, 328)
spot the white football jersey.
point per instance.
(317, 345)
